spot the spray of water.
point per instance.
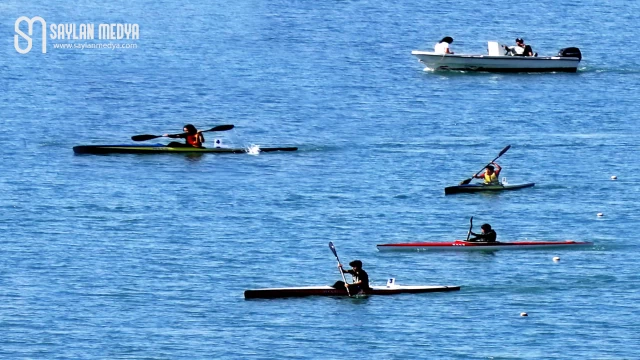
(253, 149)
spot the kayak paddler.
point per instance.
(491, 174)
(360, 278)
(487, 234)
(193, 137)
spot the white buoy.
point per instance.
(600, 214)
(613, 177)
(556, 258)
(524, 314)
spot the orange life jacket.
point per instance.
(194, 140)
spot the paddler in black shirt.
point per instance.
(487, 235)
(360, 278)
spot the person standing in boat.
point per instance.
(520, 49)
(443, 46)
(193, 137)
(360, 278)
(487, 234)
(491, 174)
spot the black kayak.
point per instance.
(274, 293)
(469, 188)
(163, 149)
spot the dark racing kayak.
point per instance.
(469, 188)
(331, 291)
(163, 149)
(460, 245)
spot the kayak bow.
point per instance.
(460, 245)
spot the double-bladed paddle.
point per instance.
(466, 181)
(470, 227)
(333, 250)
(149, 137)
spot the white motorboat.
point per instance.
(567, 60)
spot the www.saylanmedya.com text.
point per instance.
(83, 46)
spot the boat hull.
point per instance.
(460, 245)
(469, 188)
(274, 293)
(162, 149)
(501, 63)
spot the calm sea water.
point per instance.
(147, 257)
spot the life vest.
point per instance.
(194, 140)
(491, 179)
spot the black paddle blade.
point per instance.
(221, 128)
(333, 249)
(470, 228)
(144, 137)
(503, 151)
(465, 181)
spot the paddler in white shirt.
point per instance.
(520, 49)
(443, 46)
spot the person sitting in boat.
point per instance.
(520, 49)
(491, 174)
(360, 278)
(193, 137)
(487, 234)
(443, 46)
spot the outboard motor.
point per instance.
(570, 52)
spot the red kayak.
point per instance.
(460, 245)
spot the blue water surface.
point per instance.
(147, 257)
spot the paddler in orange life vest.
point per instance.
(192, 136)
(491, 174)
